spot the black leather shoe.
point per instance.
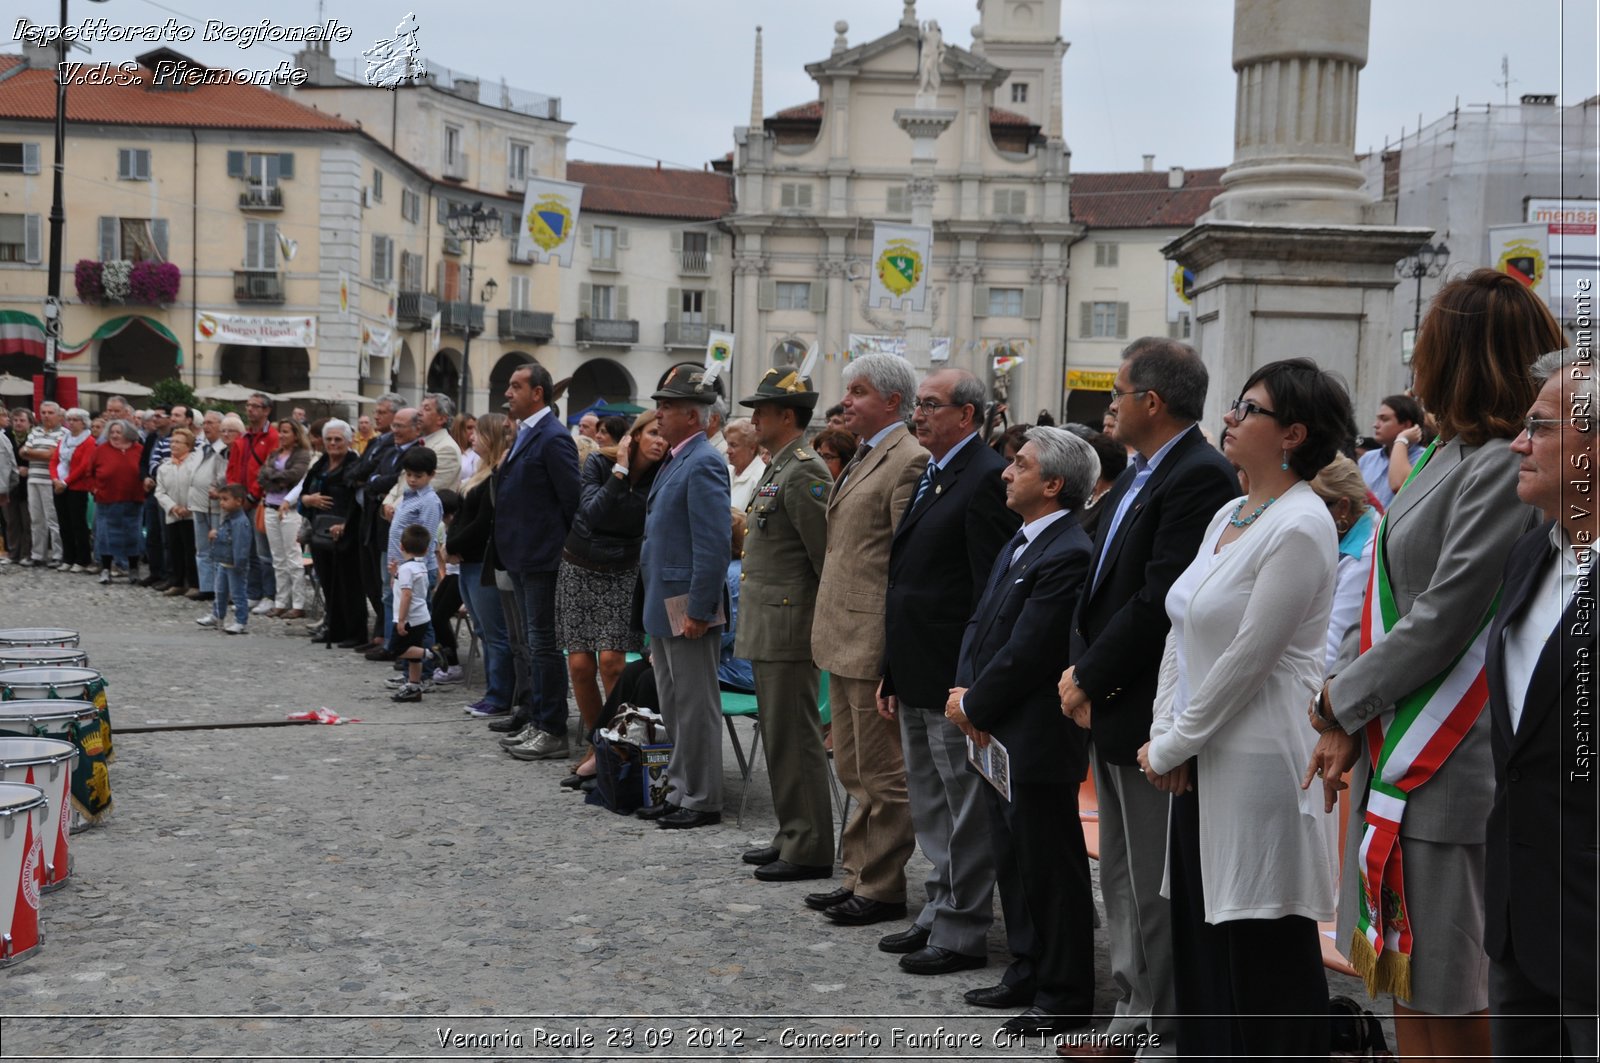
(655, 811)
(905, 941)
(821, 902)
(573, 781)
(764, 855)
(688, 819)
(999, 996)
(859, 911)
(783, 871)
(934, 960)
(1036, 1021)
(348, 644)
(508, 724)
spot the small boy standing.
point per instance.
(419, 506)
(413, 633)
(230, 551)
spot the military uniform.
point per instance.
(785, 540)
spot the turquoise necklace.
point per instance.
(1245, 522)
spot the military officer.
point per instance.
(787, 537)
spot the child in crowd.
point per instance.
(413, 634)
(230, 551)
(419, 506)
(447, 598)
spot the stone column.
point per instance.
(923, 125)
(749, 357)
(963, 325)
(1292, 259)
(1044, 373)
(827, 375)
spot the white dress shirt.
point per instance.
(1526, 636)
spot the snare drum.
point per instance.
(47, 764)
(72, 684)
(23, 812)
(77, 722)
(14, 657)
(38, 636)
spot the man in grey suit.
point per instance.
(688, 536)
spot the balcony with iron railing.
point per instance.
(535, 325)
(607, 332)
(694, 263)
(689, 333)
(414, 310)
(257, 286)
(458, 317)
(261, 197)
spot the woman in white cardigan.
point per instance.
(1251, 860)
(174, 478)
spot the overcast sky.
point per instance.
(669, 79)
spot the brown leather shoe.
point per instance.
(173, 592)
(293, 614)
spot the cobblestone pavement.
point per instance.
(401, 888)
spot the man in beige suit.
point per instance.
(847, 637)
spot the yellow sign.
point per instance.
(1087, 380)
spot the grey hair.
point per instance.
(118, 398)
(443, 403)
(1066, 456)
(739, 428)
(234, 421)
(1171, 369)
(130, 431)
(719, 410)
(888, 374)
(701, 413)
(80, 413)
(49, 405)
(334, 424)
(394, 399)
(968, 390)
(1563, 361)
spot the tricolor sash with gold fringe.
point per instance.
(1424, 729)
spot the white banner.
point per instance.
(1523, 251)
(549, 220)
(1180, 283)
(901, 257)
(251, 331)
(867, 343)
(1574, 248)
(719, 353)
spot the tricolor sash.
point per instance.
(1425, 728)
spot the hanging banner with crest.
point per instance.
(1180, 292)
(1523, 251)
(549, 220)
(900, 261)
(719, 352)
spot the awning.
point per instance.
(22, 333)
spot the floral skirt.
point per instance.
(594, 610)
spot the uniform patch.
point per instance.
(767, 491)
(818, 489)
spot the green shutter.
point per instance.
(236, 164)
(1122, 321)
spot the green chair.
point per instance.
(743, 706)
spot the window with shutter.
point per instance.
(450, 281)
(31, 250)
(819, 295)
(1122, 321)
(980, 301)
(1005, 302)
(898, 201)
(585, 299)
(410, 205)
(521, 293)
(236, 164)
(410, 272)
(674, 304)
(1105, 254)
(110, 235)
(622, 303)
(377, 186)
(605, 246)
(1032, 301)
(1108, 320)
(1085, 320)
(382, 259)
(158, 232)
(260, 246)
(13, 237)
(766, 295)
(713, 243)
(792, 295)
(622, 238)
(19, 157)
(711, 308)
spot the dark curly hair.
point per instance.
(1302, 393)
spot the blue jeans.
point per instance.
(202, 553)
(483, 607)
(231, 584)
(536, 593)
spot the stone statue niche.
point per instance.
(930, 64)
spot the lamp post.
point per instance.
(1429, 260)
(475, 224)
(58, 218)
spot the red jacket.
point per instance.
(115, 475)
(78, 469)
(246, 455)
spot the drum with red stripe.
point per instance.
(15, 657)
(24, 811)
(47, 764)
(38, 636)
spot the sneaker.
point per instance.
(93, 570)
(233, 627)
(525, 734)
(26, 562)
(53, 565)
(409, 692)
(483, 710)
(398, 681)
(542, 746)
(105, 577)
(262, 608)
(453, 674)
(73, 568)
(206, 621)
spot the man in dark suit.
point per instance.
(1154, 519)
(536, 496)
(939, 560)
(378, 476)
(1540, 882)
(1011, 656)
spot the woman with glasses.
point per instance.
(1407, 693)
(1250, 858)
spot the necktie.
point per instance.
(861, 454)
(1007, 556)
(930, 476)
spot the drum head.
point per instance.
(37, 636)
(17, 797)
(51, 715)
(13, 658)
(24, 752)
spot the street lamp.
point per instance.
(58, 217)
(1429, 260)
(477, 225)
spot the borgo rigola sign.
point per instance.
(251, 331)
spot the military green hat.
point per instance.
(685, 381)
(784, 386)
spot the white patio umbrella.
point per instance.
(226, 393)
(117, 387)
(15, 386)
(327, 395)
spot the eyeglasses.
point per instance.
(1243, 408)
(1118, 396)
(930, 406)
(1538, 426)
